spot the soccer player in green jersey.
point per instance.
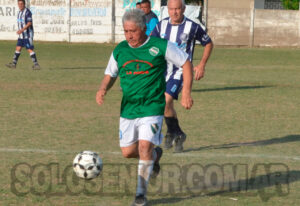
(141, 62)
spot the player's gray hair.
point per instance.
(137, 16)
(182, 3)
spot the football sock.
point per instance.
(173, 125)
(154, 155)
(33, 58)
(16, 57)
(145, 168)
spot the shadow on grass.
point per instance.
(75, 68)
(230, 88)
(266, 186)
(280, 140)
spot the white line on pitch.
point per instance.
(205, 155)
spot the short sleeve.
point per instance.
(112, 67)
(155, 31)
(28, 16)
(151, 26)
(202, 36)
(175, 55)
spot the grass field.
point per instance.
(243, 131)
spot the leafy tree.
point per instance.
(290, 4)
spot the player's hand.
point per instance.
(199, 71)
(186, 101)
(20, 31)
(100, 96)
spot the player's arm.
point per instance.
(29, 24)
(200, 68)
(180, 59)
(153, 22)
(24, 28)
(186, 99)
(108, 81)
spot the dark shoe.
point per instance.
(156, 166)
(169, 140)
(36, 67)
(140, 200)
(11, 65)
(179, 140)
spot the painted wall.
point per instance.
(69, 20)
(122, 6)
(229, 22)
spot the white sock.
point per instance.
(144, 170)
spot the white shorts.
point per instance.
(145, 128)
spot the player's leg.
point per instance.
(149, 135)
(17, 54)
(131, 151)
(128, 138)
(174, 132)
(169, 114)
(30, 47)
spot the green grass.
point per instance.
(246, 112)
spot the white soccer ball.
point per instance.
(87, 165)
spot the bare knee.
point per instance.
(169, 108)
(129, 155)
(145, 150)
(130, 151)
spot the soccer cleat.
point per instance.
(140, 200)
(179, 140)
(156, 166)
(169, 140)
(36, 67)
(11, 65)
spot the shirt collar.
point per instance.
(183, 21)
(148, 38)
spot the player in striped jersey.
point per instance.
(25, 32)
(183, 32)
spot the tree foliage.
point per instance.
(290, 4)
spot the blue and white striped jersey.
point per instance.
(24, 17)
(184, 35)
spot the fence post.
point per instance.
(252, 17)
(113, 21)
(69, 20)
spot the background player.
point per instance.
(25, 33)
(151, 18)
(141, 62)
(183, 32)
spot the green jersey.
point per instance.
(142, 78)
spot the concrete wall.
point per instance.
(238, 23)
(276, 28)
(229, 21)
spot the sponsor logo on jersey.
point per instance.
(154, 51)
(162, 36)
(184, 37)
(139, 65)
